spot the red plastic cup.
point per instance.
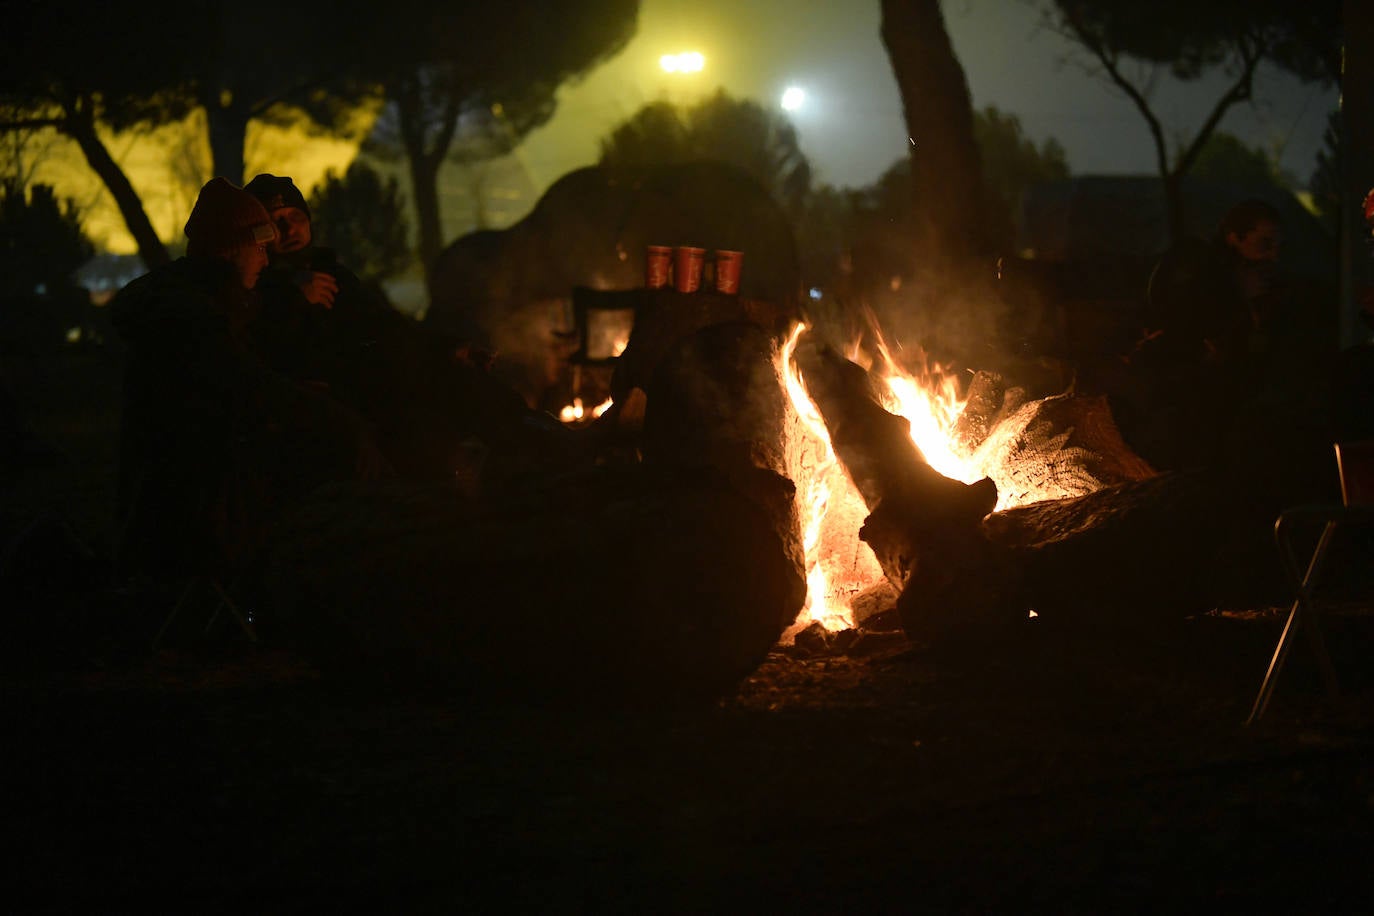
(728, 264)
(687, 264)
(657, 260)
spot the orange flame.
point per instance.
(576, 412)
(838, 565)
(932, 404)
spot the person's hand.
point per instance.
(317, 287)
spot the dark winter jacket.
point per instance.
(1197, 304)
(380, 363)
(309, 341)
(212, 441)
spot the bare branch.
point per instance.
(1111, 66)
(1241, 90)
(32, 124)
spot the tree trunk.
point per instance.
(426, 133)
(80, 126)
(227, 125)
(424, 189)
(1357, 164)
(1175, 207)
(947, 185)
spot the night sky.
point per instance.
(852, 127)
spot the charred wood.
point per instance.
(1146, 549)
(1058, 447)
(990, 401)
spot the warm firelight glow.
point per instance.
(931, 402)
(929, 398)
(821, 482)
(576, 412)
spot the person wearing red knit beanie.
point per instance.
(229, 224)
(214, 442)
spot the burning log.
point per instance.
(989, 403)
(923, 527)
(1057, 448)
(875, 446)
(1097, 526)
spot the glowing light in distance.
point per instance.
(686, 62)
(793, 98)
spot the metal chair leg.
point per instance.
(227, 603)
(176, 610)
(1303, 614)
(222, 603)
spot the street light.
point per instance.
(685, 62)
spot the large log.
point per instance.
(1146, 549)
(642, 583)
(716, 402)
(923, 527)
(601, 584)
(1103, 535)
(876, 448)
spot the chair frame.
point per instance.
(222, 603)
(1306, 611)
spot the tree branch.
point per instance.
(1240, 91)
(32, 124)
(1142, 104)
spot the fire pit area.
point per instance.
(755, 481)
(600, 725)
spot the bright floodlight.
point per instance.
(793, 98)
(686, 62)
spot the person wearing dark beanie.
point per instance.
(320, 322)
(213, 442)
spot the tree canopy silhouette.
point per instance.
(1191, 39)
(123, 67)
(471, 77)
(468, 81)
(362, 217)
(719, 128)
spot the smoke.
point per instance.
(964, 321)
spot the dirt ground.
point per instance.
(1083, 771)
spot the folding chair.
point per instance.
(1355, 462)
(203, 589)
